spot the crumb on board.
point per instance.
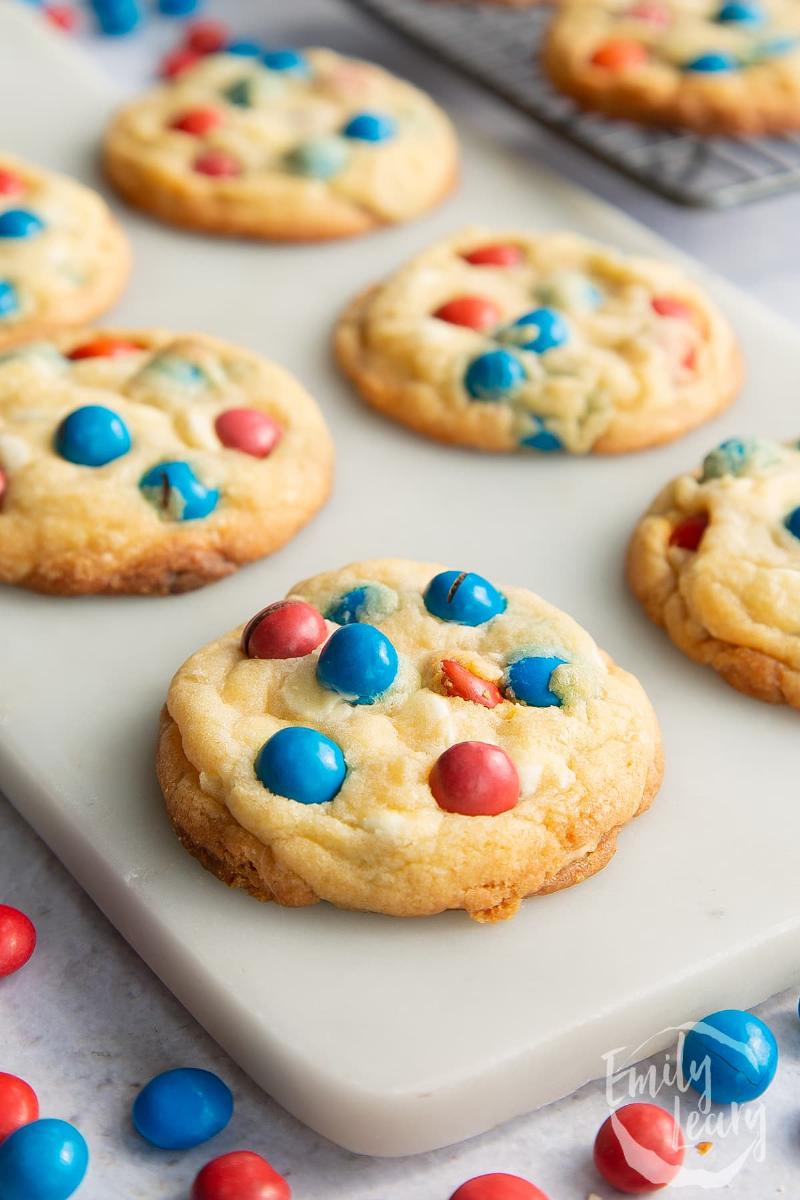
(703, 1147)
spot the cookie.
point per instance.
(399, 738)
(283, 145)
(520, 341)
(715, 66)
(150, 462)
(63, 257)
(716, 562)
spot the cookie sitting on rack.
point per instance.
(403, 739)
(716, 562)
(151, 463)
(715, 66)
(539, 342)
(283, 145)
(63, 257)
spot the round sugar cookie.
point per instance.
(716, 562)
(539, 342)
(401, 738)
(283, 145)
(63, 257)
(715, 66)
(144, 461)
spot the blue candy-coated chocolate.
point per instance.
(245, 49)
(240, 93)
(290, 62)
(115, 18)
(495, 375)
(178, 8)
(45, 1160)
(740, 12)
(731, 457)
(540, 330)
(528, 680)
(321, 158)
(542, 439)
(714, 61)
(301, 764)
(464, 598)
(370, 127)
(178, 370)
(9, 300)
(359, 662)
(348, 608)
(182, 1108)
(92, 436)
(730, 1057)
(792, 522)
(19, 223)
(176, 491)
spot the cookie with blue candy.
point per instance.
(405, 738)
(147, 462)
(285, 144)
(716, 562)
(539, 343)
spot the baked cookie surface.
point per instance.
(433, 742)
(716, 66)
(716, 562)
(63, 257)
(520, 341)
(287, 145)
(150, 462)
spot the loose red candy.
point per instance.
(474, 779)
(62, 16)
(498, 1187)
(458, 681)
(10, 184)
(103, 347)
(498, 255)
(206, 37)
(218, 163)
(178, 61)
(689, 533)
(18, 1104)
(287, 629)
(17, 939)
(669, 306)
(639, 1149)
(248, 430)
(197, 121)
(241, 1175)
(475, 312)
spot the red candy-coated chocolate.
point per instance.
(240, 1175)
(10, 184)
(475, 312)
(670, 306)
(498, 1187)
(17, 939)
(62, 16)
(248, 430)
(498, 255)
(689, 534)
(218, 163)
(197, 121)
(103, 347)
(178, 61)
(474, 779)
(619, 53)
(3, 484)
(458, 681)
(639, 1149)
(287, 629)
(19, 1104)
(206, 37)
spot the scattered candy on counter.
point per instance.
(17, 939)
(241, 1175)
(732, 1054)
(287, 629)
(45, 1160)
(19, 1104)
(117, 17)
(182, 1108)
(639, 1149)
(498, 1187)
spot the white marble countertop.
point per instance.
(87, 1023)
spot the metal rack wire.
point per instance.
(498, 47)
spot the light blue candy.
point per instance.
(45, 1160)
(740, 12)
(17, 223)
(792, 522)
(732, 457)
(178, 8)
(463, 598)
(9, 300)
(540, 330)
(777, 46)
(528, 680)
(178, 370)
(182, 1108)
(321, 158)
(174, 489)
(92, 436)
(290, 62)
(495, 375)
(714, 62)
(359, 662)
(370, 127)
(731, 1056)
(301, 764)
(245, 49)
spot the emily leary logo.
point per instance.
(688, 1097)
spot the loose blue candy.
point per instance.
(495, 375)
(245, 49)
(792, 522)
(464, 598)
(301, 764)
(45, 1160)
(714, 61)
(319, 159)
(178, 8)
(174, 488)
(370, 127)
(9, 300)
(548, 329)
(529, 680)
(359, 662)
(542, 439)
(740, 12)
(349, 608)
(731, 1055)
(92, 436)
(182, 1108)
(20, 223)
(117, 17)
(290, 62)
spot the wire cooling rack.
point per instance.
(499, 47)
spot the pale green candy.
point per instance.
(738, 456)
(321, 158)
